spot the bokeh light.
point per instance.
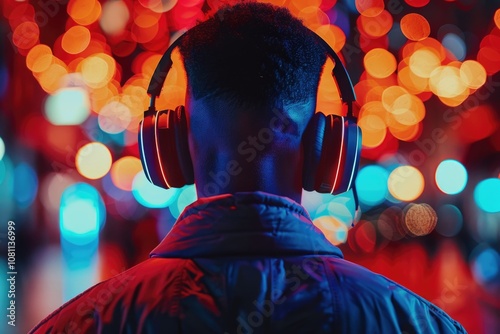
(450, 220)
(25, 184)
(415, 27)
(2, 148)
(82, 214)
(334, 231)
(406, 183)
(150, 195)
(114, 17)
(93, 160)
(371, 185)
(451, 177)
(124, 170)
(380, 63)
(75, 39)
(419, 219)
(487, 195)
(68, 106)
(486, 264)
(187, 195)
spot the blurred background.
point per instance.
(73, 78)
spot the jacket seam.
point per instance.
(337, 299)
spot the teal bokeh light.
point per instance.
(451, 177)
(487, 195)
(371, 185)
(150, 195)
(82, 214)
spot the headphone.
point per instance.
(331, 144)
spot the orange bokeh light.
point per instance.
(75, 40)
(39, 58)
(369, 8)
(84, 12)
(124, 170)
(415, 27)
(375, 26)
(380, 63)
(496, 18)
(313, 17)
(374, 130)
(333, 35)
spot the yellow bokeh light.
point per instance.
(406, 183)
(445, 81)
(93, 160)
(75, 40)
(97, 70)
(124, 170)
(334, 230)
(423, 62)
(472, 74)
(415, 27)
(380, 63)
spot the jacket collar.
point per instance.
(244, 224)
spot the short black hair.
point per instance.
(253, 54)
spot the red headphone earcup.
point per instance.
(149, 151)
(331, 154)
(164, 149)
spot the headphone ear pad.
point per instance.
(332, 147)
(173, 148)
(164, 149)
(182, 143)
(312, 143)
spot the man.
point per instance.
(246, 258)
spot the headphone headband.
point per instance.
(339, 73)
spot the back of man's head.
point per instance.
(253, 55)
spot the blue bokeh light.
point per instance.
(450, 220)
(486, 265)
(451, 177)
(82, 214)
(26, 184)
(150, 195)
(487, 195)
(455, 45)
(371, 185)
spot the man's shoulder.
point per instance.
(99, 303)
(364, 291)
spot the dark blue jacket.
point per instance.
(247, 263)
